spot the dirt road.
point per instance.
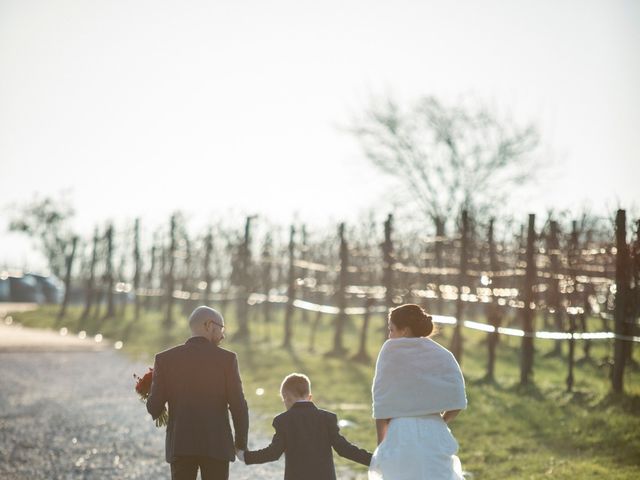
(68, 411)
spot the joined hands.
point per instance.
(240, 454)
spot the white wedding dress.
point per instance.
(417, 448)
(415, 379)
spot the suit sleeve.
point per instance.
(271, 453)
(158, 395)
(237, 404)
(343, 447)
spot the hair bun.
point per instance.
(414, 317)
(423, 326)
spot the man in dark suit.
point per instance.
(306, 435)
(200, 382)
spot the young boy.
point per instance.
(305, 434)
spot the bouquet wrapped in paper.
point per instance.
(143, 388)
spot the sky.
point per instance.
(141, 108)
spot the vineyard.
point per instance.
(575, 284)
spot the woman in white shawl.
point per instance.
(417, 390)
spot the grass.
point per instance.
(508, 431)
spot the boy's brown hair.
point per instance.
(297, 385)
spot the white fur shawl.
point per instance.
(415, 377)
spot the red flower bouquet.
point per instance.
(143, 388)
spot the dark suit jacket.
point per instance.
(201, 383)
(306, 434)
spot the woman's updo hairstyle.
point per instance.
(413, 317)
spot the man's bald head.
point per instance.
(207, 322)
(203, 314)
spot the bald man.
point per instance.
(200, 382)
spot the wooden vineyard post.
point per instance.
(150, 301)
(122, 294)
(362, 355)
(555, 297)
(622, 296)
(572, 348)
(341, 318)
(304, 314)
(91, 282)
(244, 260)
(267, 284)
(387, 270)
(528, 310)
(318, 297)
(634, 294)
(206, 267)
(186, 279)
(574, 298)
(456, 343)
(109, 276)
(493, 309)
(291, 291)
(67, 278)
(170, 280)
(137, 261)
(439, 257)
(586, 311)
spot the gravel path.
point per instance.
(74, 415)
(68, 411)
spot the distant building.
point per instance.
(21, 287)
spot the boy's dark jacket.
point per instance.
(306, 435)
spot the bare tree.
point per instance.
(449, 158)
(47, 221)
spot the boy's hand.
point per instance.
(240, 455)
